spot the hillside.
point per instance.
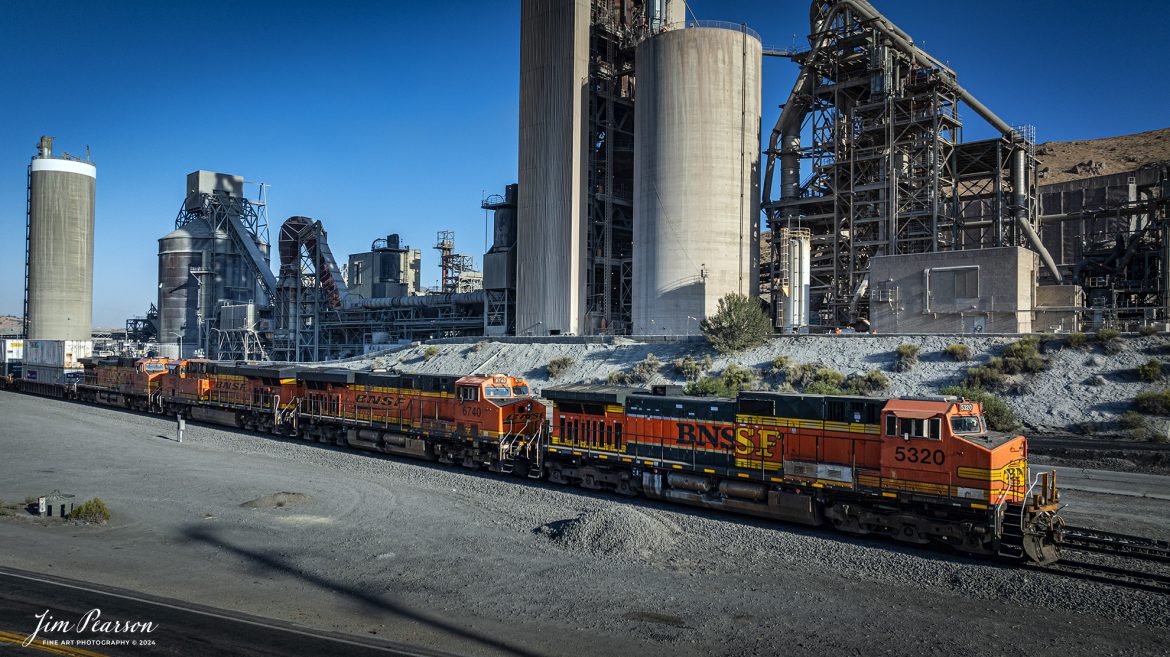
(1061, 161)
(9, 325)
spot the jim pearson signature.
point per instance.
(91, 621)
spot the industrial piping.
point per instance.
(787, 130)
(457, 298)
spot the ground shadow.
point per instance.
(275, 563)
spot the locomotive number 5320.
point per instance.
(923, 455)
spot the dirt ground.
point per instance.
(473, 563)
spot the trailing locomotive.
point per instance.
(918, 470)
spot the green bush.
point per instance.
(870, 383)
(999, 415)
(91, 511)
(1148, 330)
(739, 323)
(1151, 370)
(1077, 340)
(958, 352)
(707, 386)
(617, 378)
(1153, 402)
(557, 366)
(430, 352)
(906, 357)
(823, 388)
(829, 376)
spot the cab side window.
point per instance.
(468, 393)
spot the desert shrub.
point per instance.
(870, 383)
(430, 352)
(617, 378)
(984, 378)
(1131, 420)
(737, 378)
(830, 376)
(645, 369)
(1151, 370)
(480, 346)
(1076, 340)
(999, 415)
(1023, 357)
(906, 357)
(1109, 340)
(1153, 402)
(958, 352)
(823, 388)
(739, 323)
(689, 368)
(557, 366)
(801, 374)
(1148, 330)
(707, 386)
(779, 365)
(94, 510)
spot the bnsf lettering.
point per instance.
(377, 400)
(705, 435)
(230, 385)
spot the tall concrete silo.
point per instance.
(59, 270)
(180, 252)
(696, 174)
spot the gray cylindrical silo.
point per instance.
(696, 173)
(183, 250)
(60, 246)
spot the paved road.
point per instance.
(181, 628)
(1107, 481)
(1041, 444)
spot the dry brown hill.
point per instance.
(1070, 160)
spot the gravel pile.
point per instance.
(623, 532)
(1063, 396)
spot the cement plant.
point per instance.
(726, 379)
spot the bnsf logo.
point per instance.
(379, 400)
(229, 385)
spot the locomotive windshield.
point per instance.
(497, 391)
(967, 424)
(520, 390)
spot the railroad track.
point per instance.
(1083, 539)
(1136, 550)
(1124, 577)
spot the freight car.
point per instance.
(919, 470)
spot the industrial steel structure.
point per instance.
(870, 158)
(574, 255)
(216, 256)
(58, 265)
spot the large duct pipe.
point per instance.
(457, 298)
(1020, 212)
(787, 130)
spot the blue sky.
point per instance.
(380, 117)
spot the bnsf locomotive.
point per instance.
(919, 470)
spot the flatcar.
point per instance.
(918, 470)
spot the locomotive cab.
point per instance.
(502, 405)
